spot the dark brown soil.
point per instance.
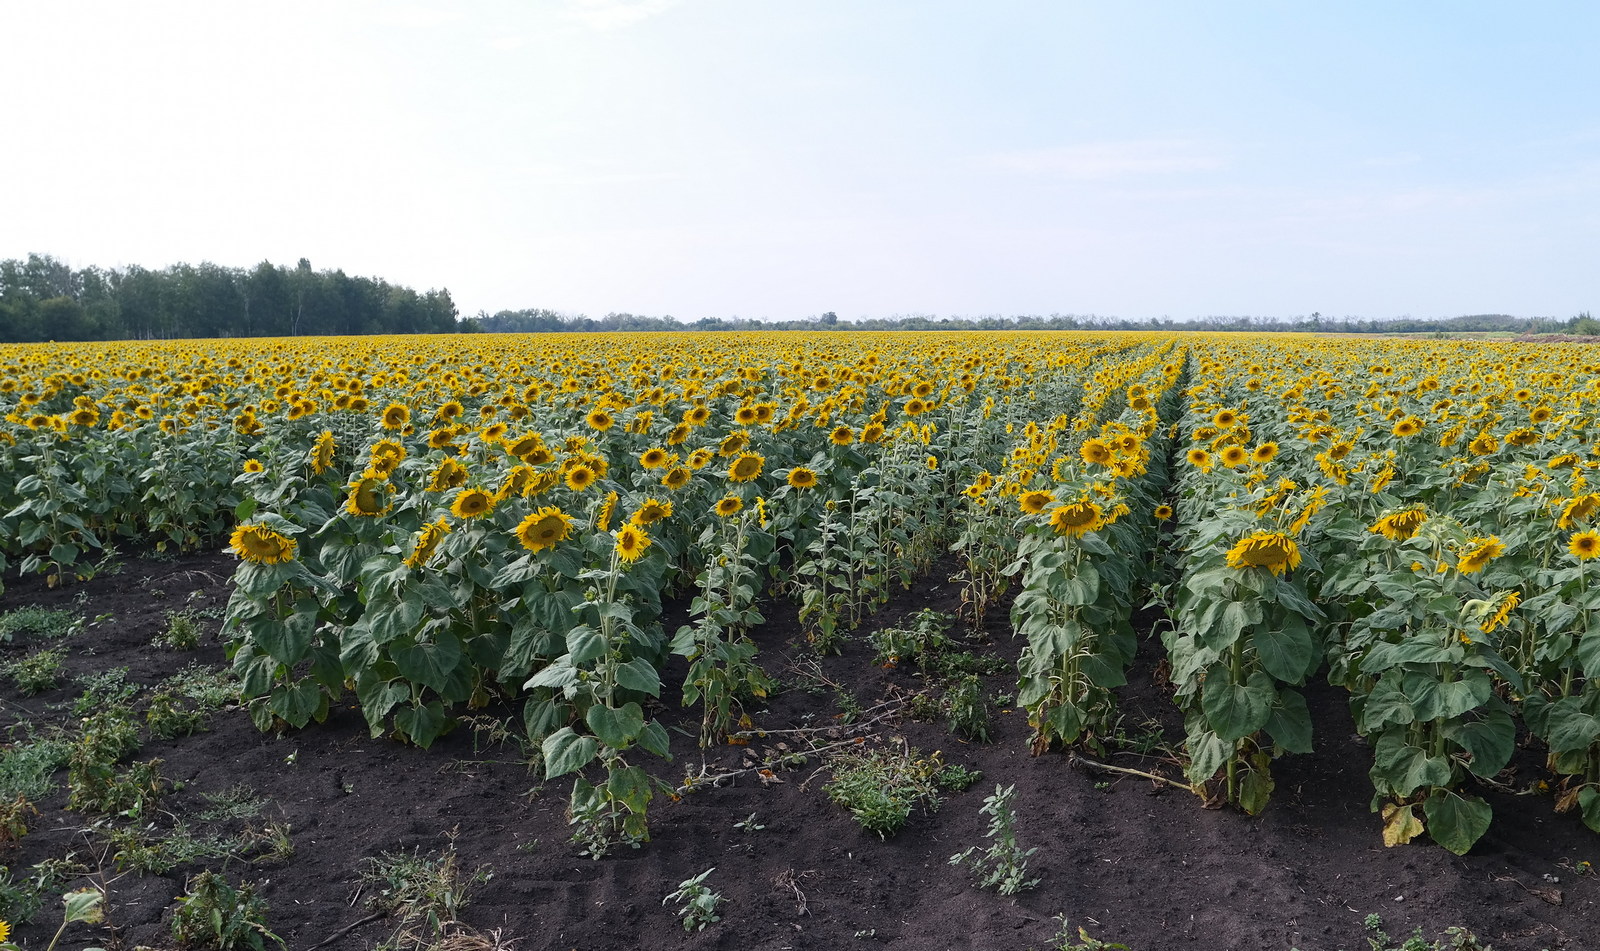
(1133, 862)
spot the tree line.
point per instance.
(42, 298)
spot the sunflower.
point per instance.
(1163, 513)
(1233, 456)
(631, 543)
(254, 466)
(1224, 418)
(802, 478)
(729, 506)
(746, 467)
(608, 507)
(1399, 526)
(1502, 612)
(261, 545)
(452, 409)
(1483, 444)
(651, 511)
(1095, 451)
(842, 435)
(1407, 427)
(1200, 459)
(700, 458)
(1264, 453)
(599, 419)
(428, 540)
(1035, 501)
(472, 503)
(697, 415)
(368, 497)
(1478, 553)
(676, 478)
(396, 416)
(1577, 509)
(542, 529)
(1584, 545)
(915, 407)
(1274, 551)
(745, 415)
(580, 477)
(322, 453)
(449, 475)
(1076, 518)
(678, 434)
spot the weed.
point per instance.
(881, 787)
(749, 824)
(1063, 940)
(426, 891)
(697, 903)
(46, 623)
(214, 914)
(1455, 939)
(969, 715)
(182, 633)
(109, 688)
(14, 819)
(1004, 864)
(956, 778)
(38, 672)
(235, 802)
(26, 768)
(918, 644)
(95, 783)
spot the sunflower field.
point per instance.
(431, 524)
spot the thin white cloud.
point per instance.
(615, 14)
(1099, 161)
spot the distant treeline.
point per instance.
(44, 299)
(549, 321)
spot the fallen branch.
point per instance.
(1078, 759)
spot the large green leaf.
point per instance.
(421, 723)
(1290, 722)
(431, 663)
(1490, 740)
(585, 644)
(1234, 711)
(566, 752)
(615, 726)
(1385, 704)
(1286, 650)
(1456, 822)
(1402, 768)
(638, 674)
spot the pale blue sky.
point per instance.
(745, 158)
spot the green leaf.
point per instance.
(1401, 768)
(654, 738)
(543, 716)
(556, 675)
(1385, 704)
(1568, 727)
(615, 726)
(1490, 740)
(431, 664)
(378, 697)
(1290, 722)
(1589, 654)
(566, 752)
(1589, 804)
(1235, 711)
(298, 703)
(1456, 822)
(1208, 753)
(585, 644)
(1286, 651)
(421, 723)
(631, 787)
(638, 674)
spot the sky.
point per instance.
(744, 158)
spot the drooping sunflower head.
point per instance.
(472, 503)
(1273, 551)
(261, 545)
(1401, 525)
(449, 474)
(651, 511)
(746, 467)
(1483, 444)
(427, 542)
(872, 433)
(631, 543)
(1578, 509)
(543, 529)
(1095, 451)
(678, 434)
(1077, 518)
(802, 478)
(842, 435)
(322, 453)
(369, 497)
(1476, 554)
(1033, 502)
(608, 508)
(729, 506)
(1503, 606)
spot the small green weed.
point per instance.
(881, 787)
(182, 633)
(38, 672)
(969, 714)
(421, 891)
(27, 768)
(1003, 865)
(46, 623)
(697, 903)
(215, 914)
(956, 778)
(1064, 939)
(109, 688)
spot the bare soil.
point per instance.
(1133, 861)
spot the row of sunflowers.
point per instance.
(428, 524)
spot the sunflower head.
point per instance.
(676, 477)
(842, 435)
(1584, 545)
(261, 545)
(746, 467)
(543, 529)
(651, 511)
(1200, 459)
(472, 503)
(427, 541)
(631, 543)
(1163, 513)
(580, 477)
(802, 478)
(322, 453)
(1399, 526)
(369, 497)
(396, 416)
(600, 420)
(1095, 451)
(1035, 501)
(1234, 456)
(1273, 551)
(1077, 518)
(1264, 453)
(1477, 553)
(729, 506)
